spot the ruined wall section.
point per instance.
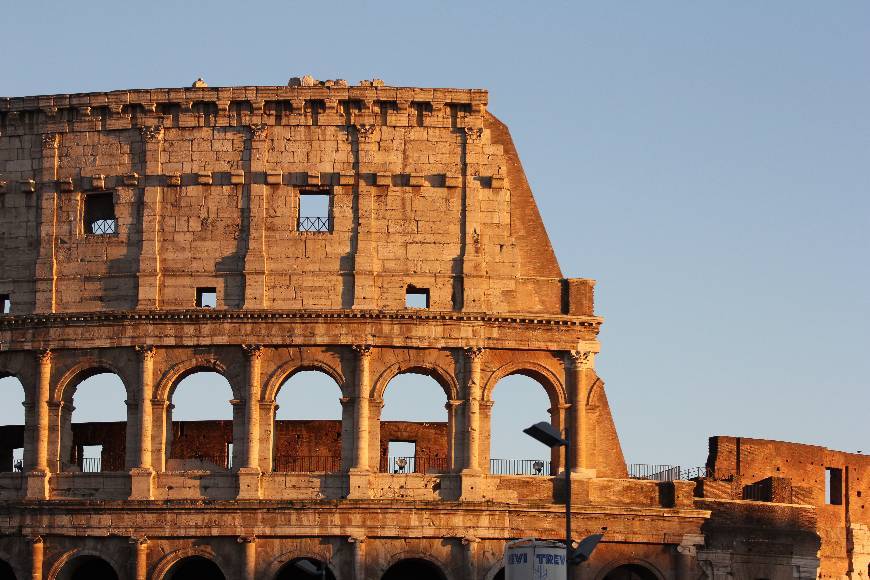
(426, 190)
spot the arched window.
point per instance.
(630, 572)
(308, 424)
(414, 436)
(93, 434)
(87, 568)
(12, 425)
(518, 402)
(415, 568)
(195, 567)
(201, 414)
(305, 569)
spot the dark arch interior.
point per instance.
(90, 568)
(413, 569)
(630, 572)
(292, 570)
(195, 568)
(6, 572)
(499, 575)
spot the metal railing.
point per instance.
(416, 464)
(519, 467)
(99, 464)
(664, 472)
(220, 461)
(104, 227)
(306, 464)
(313, 224)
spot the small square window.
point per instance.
(100, 214)
(416, 297)
(206, 297)
(314, 211)
(5, 304)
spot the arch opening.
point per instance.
(87, 568)
(519, 401)
(12, 432)
(415, 427)
(415, 568)
(307, 436)
(93, 428)
(201, 420)
(499, 575)
(6, 571)
(630, 572)
(195, 568)
(305, 569)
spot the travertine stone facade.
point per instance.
(124, 214)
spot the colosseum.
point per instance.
(363, 232)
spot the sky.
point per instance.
(707, 163)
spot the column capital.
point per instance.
(581, 359)
(259, 130)
(364, 131)
(453, 403)
(345, 401)
(49, 140)
(146, 351)
(247, 539)
(363, 350)
(236, 402)
(474, 353)
(469, 540)
(139, 540)
(356, 539)
(253, 351)
(151, 133)
(43, 355)
(473, 134)
(37, 539)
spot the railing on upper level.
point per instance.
(664, 472)
(313, 224)
(520, 467)
(306, 464)
(418, 464)
(197, 460)
(107, 227)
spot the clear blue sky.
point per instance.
(707, 163)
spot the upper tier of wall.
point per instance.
(425, 190)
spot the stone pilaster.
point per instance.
(473, 358)
(142, 476)
(255, 270)
(249, 557)
(470, 544)
(37, 554)
(249, 473)
(139, 557)
(46, 262)
(149, 235)
(558, 418)
(687, 557)
(359, 473)
(453, 407)
(579, 366)
(359, 556)
(473, 274)
(37, 479)
(364, 289)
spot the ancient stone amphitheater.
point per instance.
(153, 234)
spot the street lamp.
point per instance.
(550, 436)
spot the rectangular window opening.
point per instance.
(92, 458)
(18, 459)
(416, 297)
(229, 455)
(100, 217)
(206, 297)
(5, 304)
(400, 456)
(833, 486)
(314, 214)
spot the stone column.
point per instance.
(149, 235)
(579, 366)
(143, 475)
(37, 480)
(358, 474)
(687, 557)
(249, 558)
(37, 550)
(46, 263)
(139, 557)
(557, 454)
(452, 435)
(473, 357)
(359, 557)
(470, 544)
(249, 473)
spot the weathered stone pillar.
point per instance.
(470, 544)
(473, 357)
(249, 473)
(142, 476)
(249, 558)
(358, 475)
(579, 366)
(149, 254)
(46, 263)
(687, 557)
(37, 480)
(359, 557)
(37, 551)
(255, 253)
(452, 434)
(557, 454)
(139, 557)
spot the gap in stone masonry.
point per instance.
(202, 422)
(414, 412)
(309, 434)
(11, 424)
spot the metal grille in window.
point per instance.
(99, 216)
(313, 224)
(104, 227)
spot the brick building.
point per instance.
(363, 232)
